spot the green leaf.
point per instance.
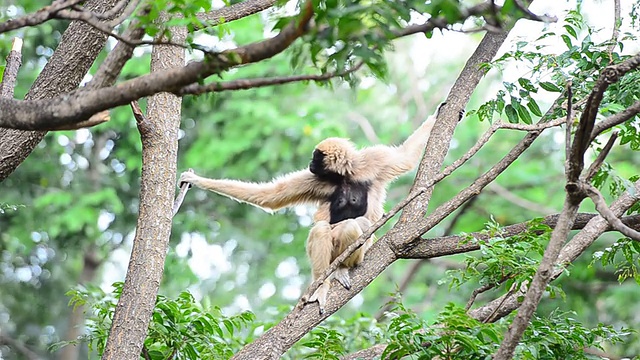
(550, 86)
(524, 114)
(512, 114)
(534, 108)
(571, 31)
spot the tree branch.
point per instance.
(80, 104)
(243, 84)
(235, 11)
(14, 60)
(38, 17)
(594, 227)
(605, 212)
(616, 119)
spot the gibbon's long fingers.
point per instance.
(320, 295)
(342, 275)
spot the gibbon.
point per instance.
(348, 186)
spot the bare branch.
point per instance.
(616, 27)
(568, 127)
(184, 187)
(605, 212)
(38, 17)
(595, 166)
(509, 196)
(616, 119)
(235, 11)
(19, 347)
(243, 84)
(10, 75)
(80, 104)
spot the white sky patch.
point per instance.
(287, 268)
(207, 260)
(267, 290)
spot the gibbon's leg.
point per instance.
(344, 234)
(319, 249)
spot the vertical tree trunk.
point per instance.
(159, 133)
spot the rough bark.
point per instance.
(159, 133)
(78, 49)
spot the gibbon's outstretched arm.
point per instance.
(291, 189)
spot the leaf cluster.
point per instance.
(504, 260)
(180, 328)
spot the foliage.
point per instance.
(76, 196)
(180, 328)
(560, 336)
(511, 261)
(624, 256)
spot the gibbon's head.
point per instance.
(333, 156)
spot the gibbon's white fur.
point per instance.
(373, 168)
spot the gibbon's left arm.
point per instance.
(388, 162)
(292, 189)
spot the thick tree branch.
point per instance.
(76, 52)
(235, 11)
(38, 17)
(80, 104)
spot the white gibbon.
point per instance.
(348, 186)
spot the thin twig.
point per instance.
(612, 219)
(615, 119)
(184, 187)
(568, 126)
(595, 166)
(617, 21)
(38, 17)
(243, 84)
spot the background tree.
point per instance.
(69, 209)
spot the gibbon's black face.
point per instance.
(318, 168)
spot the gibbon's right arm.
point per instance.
(295, 188)
(385, 163)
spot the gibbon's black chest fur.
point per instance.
(348, 201)
(350, 198)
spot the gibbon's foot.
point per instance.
(461, 115)
(342, 275)
(320, 295)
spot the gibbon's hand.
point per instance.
(188, 177)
